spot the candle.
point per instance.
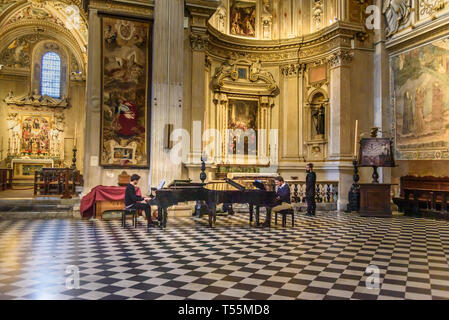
(355, 137)
(74, 140)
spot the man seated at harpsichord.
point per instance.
(133, 201)
(282, 201)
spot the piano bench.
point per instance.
(284, 214)
(129, 212)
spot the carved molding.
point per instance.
(307, 49)
(35, 100)
(340, 58)
(257, 82)
(198, 42)
(293, 70)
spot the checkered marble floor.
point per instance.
(322, 257)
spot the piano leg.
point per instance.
(251, 211)
(257, 216)
(268, 220)
(165, 218)
(159, 216)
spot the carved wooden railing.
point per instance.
(6, 177)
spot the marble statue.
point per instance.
(397, 13)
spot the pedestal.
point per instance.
(375, 200)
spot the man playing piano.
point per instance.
(282, 201)
(133, 201)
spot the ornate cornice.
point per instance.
(307, 49)
(138, 8)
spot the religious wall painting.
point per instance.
(126, 46)
(242, 126)
(36, 135)
(243, 18)
(420, 86)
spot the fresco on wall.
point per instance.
(125, 92)
(420, 86)
(242, 122)
(243, 19)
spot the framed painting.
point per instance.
(242, 126)
(419, 87)
(126, 91)
(243, 18)
(376, 152)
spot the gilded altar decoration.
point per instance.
(125, 92)
(421, 100)
(243, 18)
(36, 135)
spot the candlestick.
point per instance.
(76, 129)
(355, 137)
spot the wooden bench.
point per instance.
(6, 176)
(51, 181)
(284, 214)
(424, 195)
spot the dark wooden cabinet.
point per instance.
(375, 199)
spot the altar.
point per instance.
(25, 168)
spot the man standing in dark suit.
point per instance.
(133, 201)
(310, 190)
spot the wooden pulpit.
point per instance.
(375, 200)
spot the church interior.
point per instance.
(215, 108)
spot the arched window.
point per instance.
(51, 75)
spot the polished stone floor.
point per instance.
(323, 257)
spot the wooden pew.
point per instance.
(426, 196)
(51, 181)
(6, 177)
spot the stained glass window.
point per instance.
(51, 75)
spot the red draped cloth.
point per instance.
(102, 193)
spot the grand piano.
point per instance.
(185, 190)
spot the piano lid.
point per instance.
(185, 184)
(235, 184)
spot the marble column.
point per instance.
(382, 110)
(199, 14)
(167, 86)
(340, 116)
(92, 171)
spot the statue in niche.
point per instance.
(396, 14)
(318, 119)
